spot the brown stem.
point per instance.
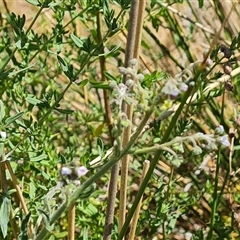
(112, 190)
(19, 193)
(71, 221)
(102, 61)
(132, 51)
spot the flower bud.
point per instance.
(219, 130)
(227, 68)
(197, 150)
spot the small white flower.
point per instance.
(170, 88)
(187, 187)
(120, 93)
(140, 77)
(122, 90)
(65, 171)
(3, 134)
(81, 171)
(175, 92)
(123, 70)
(209, 62)
(197, 172)
(133, 62)
(77, 182)
(219, 130)
(130, 83)
(173, 88)
(192, 83)
(183, 87)
(224, 140)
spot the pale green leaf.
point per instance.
(13, 118)
(38, 158)
(5, 213)
(2, 110)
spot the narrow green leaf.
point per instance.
(64, 111)
(33, 2)
(61, 235)
(13, 118)
(83, 83)
(114, 49)
(77, 40)
(32, 190)
(21, 70)
(33, 101)
(63, 64)
(54, 4)
(1, 148)
(5, 213)
(38, 158)
(101, 85)
(2, 110)
(109, 76)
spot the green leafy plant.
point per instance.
(119, 124)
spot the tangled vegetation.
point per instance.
(119, 119)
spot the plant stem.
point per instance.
(215, 199)
(112, 192)
(132, 51)
(136, 214)
(112, 189)
(71, 221)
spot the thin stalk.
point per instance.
(231, 153)
(19, 194)
(112, 192)
(102, 61)
(167, 197)
(215, 200)
(136, 214)
(136, 23)
(17, 187)
(6, 7)
(112, 189)
(71, 221)
(3, 178)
